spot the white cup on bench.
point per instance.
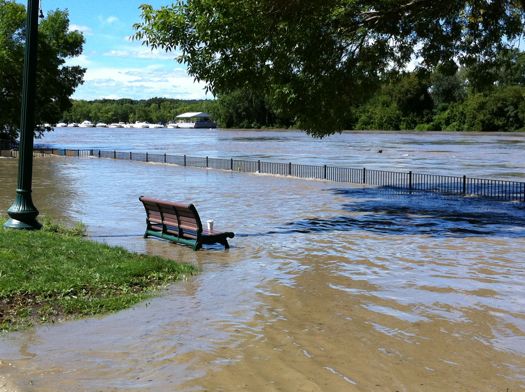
(210, 224)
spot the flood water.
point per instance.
(488, 155)
(325, 288)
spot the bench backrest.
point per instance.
(181, 218)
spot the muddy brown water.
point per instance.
(326, 288)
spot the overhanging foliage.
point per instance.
(56, 81)
(315, 60)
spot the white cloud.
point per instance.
(141, 52)
(111, 19)
(83, 29)
(111, 76)
(81, 60)
(139, 83)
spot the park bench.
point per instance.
(179, 223)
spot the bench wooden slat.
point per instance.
(155, 219)
(179, 222)
(170, 221)
(188, 222)
(185, 214)
(188, 227)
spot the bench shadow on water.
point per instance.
(388, 211)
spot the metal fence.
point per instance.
(405, 181)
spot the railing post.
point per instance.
(164, 157)
(114, 154)
(464, 185)
(91, 152)
(364, 175)
(289, 168)
(78, 152)
(206, 161)
(130, 156)
(410, 180)
(184, 159)
(259, 166)
(147, 158)
(324, 172)
(231, 164)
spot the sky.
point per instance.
(116, 66)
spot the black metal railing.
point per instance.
(406, 181)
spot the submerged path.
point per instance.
(488, 188)
(326, 288)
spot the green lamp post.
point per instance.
(22, 212)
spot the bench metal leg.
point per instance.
(147, 228)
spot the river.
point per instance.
(498, 155)
(326, 287)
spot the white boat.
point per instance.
(141, 124)
(101, 125)
(194, 120)
(156, 125)
(117, 125)
(72, 125)
(172, 125)
(61, 125)
(86, 124)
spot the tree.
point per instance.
(501, 110)
(316, 59)
(507, 68)
(402, 102)
(56, 82)
(245, 108)
(447, 87)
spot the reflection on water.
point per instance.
(52, 187)
(325, 288)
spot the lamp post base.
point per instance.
(23, 213)
(16, 224)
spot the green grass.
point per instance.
(54, 274)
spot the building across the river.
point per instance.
(193, 120)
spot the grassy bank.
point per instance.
(55, 274)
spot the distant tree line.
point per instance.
(155, 110)
(483, 97)
(242, 109)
